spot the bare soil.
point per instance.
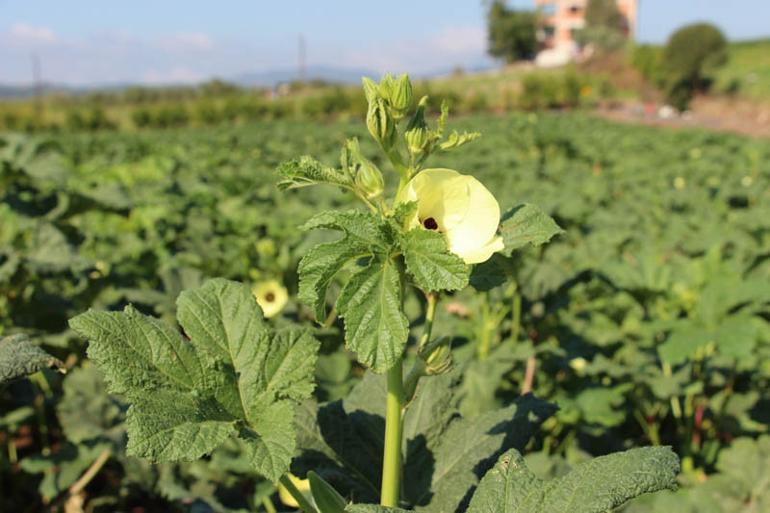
(709, 112)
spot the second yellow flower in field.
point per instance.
(460, 207)
(271, 297)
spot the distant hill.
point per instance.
(268, 78)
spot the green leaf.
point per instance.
(327, 499)
(371, 305)
(87, 412)
(61, 469)
(427, 259)
(19, 357)
(305, 171)
(234, 377)
(527, 224)
(373, 508)
(490, 274)
(596, 486)
(468, 447)
(362, 236)
(444, 455)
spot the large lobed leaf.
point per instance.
(362, 237)
(234, 377)
(596, 486)
(375, 325)
(20, 357)
(527, 224)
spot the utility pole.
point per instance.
(301, 60)
(37, 81)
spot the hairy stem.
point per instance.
(304, 504)
(391, 461)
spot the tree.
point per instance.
(604, 13)
(605, 26)
(512, 34)
(691, 56)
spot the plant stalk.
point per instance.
(89, 474)
(304, 504)
(430, 315)
(419, 367)
(391, 461)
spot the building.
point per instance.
(562, 18)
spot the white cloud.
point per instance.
(23, 33)
(437, 51)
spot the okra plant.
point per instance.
(397, 439)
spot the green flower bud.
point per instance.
(370, 89)
(418, 118)
(369, 179)
(387, 84)
(401, 95)
(438, 357)
(380, 123)
(416, 140)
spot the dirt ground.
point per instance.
(711, 113)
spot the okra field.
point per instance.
(627, 313)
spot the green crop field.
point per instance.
(647, 321)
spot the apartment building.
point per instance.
(562, 18)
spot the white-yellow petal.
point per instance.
(303, 485)
(483, 253)
(271, 296)
(461, 208)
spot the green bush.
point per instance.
(551, 90)
(646, 59)
(91, 120)
(689, 60)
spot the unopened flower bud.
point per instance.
(401, 95)
(380, 123)
(369, 180)
(438, 357)
(416, 140)
(387, 84)
(370, 89)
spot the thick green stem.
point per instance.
(304, 504)
(391, 461)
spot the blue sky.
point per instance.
(160, 41)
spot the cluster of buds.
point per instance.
(388, 102)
